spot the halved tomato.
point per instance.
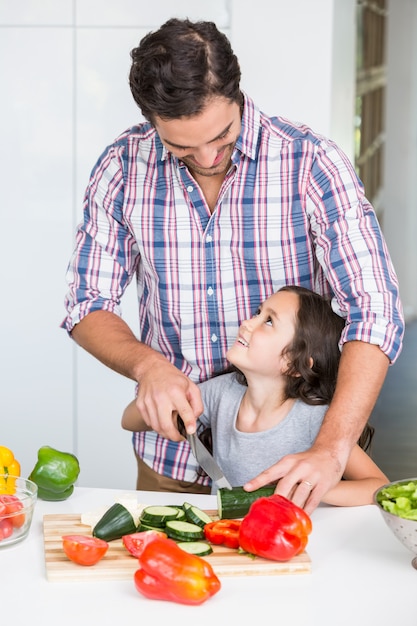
(83, 549)
(12, 505)
(136, 542)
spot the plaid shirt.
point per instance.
(291, 210)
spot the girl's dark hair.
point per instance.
(316, 337)
(177, 68)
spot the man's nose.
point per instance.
(206, 156)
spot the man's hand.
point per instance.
(163, 393)
(303, 478)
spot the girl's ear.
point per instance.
(297, 374)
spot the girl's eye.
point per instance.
(268, 320)
(257, 312)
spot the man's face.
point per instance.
(203, 142)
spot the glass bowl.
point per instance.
(17, 501)
(405, 530)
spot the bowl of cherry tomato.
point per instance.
(17, 501)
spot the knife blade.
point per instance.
(204, 458)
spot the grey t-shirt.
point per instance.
(242, 456)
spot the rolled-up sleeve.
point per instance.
(105, 255)
(352, 251)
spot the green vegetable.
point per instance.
(116, 522)
(400, 499)
(200, 548)
(236, 502)
(143, 527)
(55, 473)
(183, 531)
(196, 515)
(157, 516)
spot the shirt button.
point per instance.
(190, 188)
(214, 338)
(210, 291)
(209, 238)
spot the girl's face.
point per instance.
(263, 338)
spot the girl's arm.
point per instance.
(362, 478)
(132, 419)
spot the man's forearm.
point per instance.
(362, 372)
(108, 338)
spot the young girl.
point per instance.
(286, 360)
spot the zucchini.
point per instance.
(180, 511)
(143, 527)
(235, 503)
(199, 548)
(196, 515)
(158, 516)
(183, 531)
(116, 522)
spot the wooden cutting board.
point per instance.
(118, 564)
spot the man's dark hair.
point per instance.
(178, 68)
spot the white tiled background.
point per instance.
(63, 78)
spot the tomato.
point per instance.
(136, 542)
(12, 505)
(84, 550)
(6, 528)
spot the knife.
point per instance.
(204, 458)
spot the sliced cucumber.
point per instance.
(180, 513)
(196, 515)
(199, 548)
(158, 516)
(235, 503)
(143, 527)
(183, 531)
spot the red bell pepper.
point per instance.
(223, 532)
(275, 528)
(168, 573)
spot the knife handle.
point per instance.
(204, 435)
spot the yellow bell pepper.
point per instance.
(9, 468)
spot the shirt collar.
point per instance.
(251, 118)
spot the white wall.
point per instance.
(65, 96)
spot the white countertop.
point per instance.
(361, 574)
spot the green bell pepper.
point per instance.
(55, 473)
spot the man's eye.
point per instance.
(224, 135)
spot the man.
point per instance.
(213, 206)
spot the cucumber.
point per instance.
(235, 503)
(183, 531)
(196, 515)
(158, 516)
(143, 527)
(199, 548)
(180, 511)
(116, 522)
